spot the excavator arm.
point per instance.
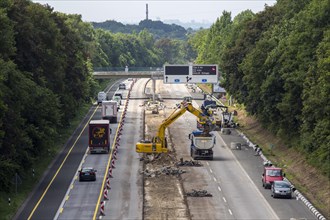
(159, 143)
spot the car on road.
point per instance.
(281, 188)
(271, 174)
(101, 96)
(122, 86)
(87, 174)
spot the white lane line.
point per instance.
(215, 180)
(211, 170)
(219, 188)
(224, 199)
(271, 210)
(208, 163)
(66, 197)
(230, 212)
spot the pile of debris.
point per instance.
(198, 193)
(191, 163)
(168, 170)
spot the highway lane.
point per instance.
(47, 196)
(222, 177)
(126, 195)
(233, 176)
(253, 165)
(199, 178)
(126, 184)
(82, 197)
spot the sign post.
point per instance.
(182, 74)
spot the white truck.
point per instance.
(101, 96)
(201, 145)
(109, 111)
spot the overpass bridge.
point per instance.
(153, 73)
(134, 72)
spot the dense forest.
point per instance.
(276, 63)
(46, 64)
(157, 28)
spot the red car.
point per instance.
(271, 174)
(87, 174)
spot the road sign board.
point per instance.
(207, 73)
(177, 70)
(176, 73)
(204, 70)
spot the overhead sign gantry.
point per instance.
(196, 73)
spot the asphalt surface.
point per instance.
(46, 198)
(233, 177)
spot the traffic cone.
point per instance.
(108, 183)
(105, 194)
(102, 208)
(110, 172)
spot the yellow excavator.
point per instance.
(158, 144)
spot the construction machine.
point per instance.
(158, 144)
(214, 111)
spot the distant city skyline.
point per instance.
(134, 11)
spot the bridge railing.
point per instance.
(135, 69)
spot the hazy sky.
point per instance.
(134, 11)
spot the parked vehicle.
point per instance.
(281, 188)
(87, 174)
(101, 96)
(99, 136)
(109, 111)
(270, 175)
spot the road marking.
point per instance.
(215, 180)
(224, 199)
(108, 165)
(208, 163)
(230, 212)
(211, 171)
(219, 188)
(72, 185)
(271, 210)
(58, 170)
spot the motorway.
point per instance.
(233, 177)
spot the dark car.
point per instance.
(281, 188)
(87, 174)
(122, 86)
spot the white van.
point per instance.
(101, 96)
(109, 111)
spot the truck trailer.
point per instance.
(201, 145)
(99, 136)
(109, 111)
